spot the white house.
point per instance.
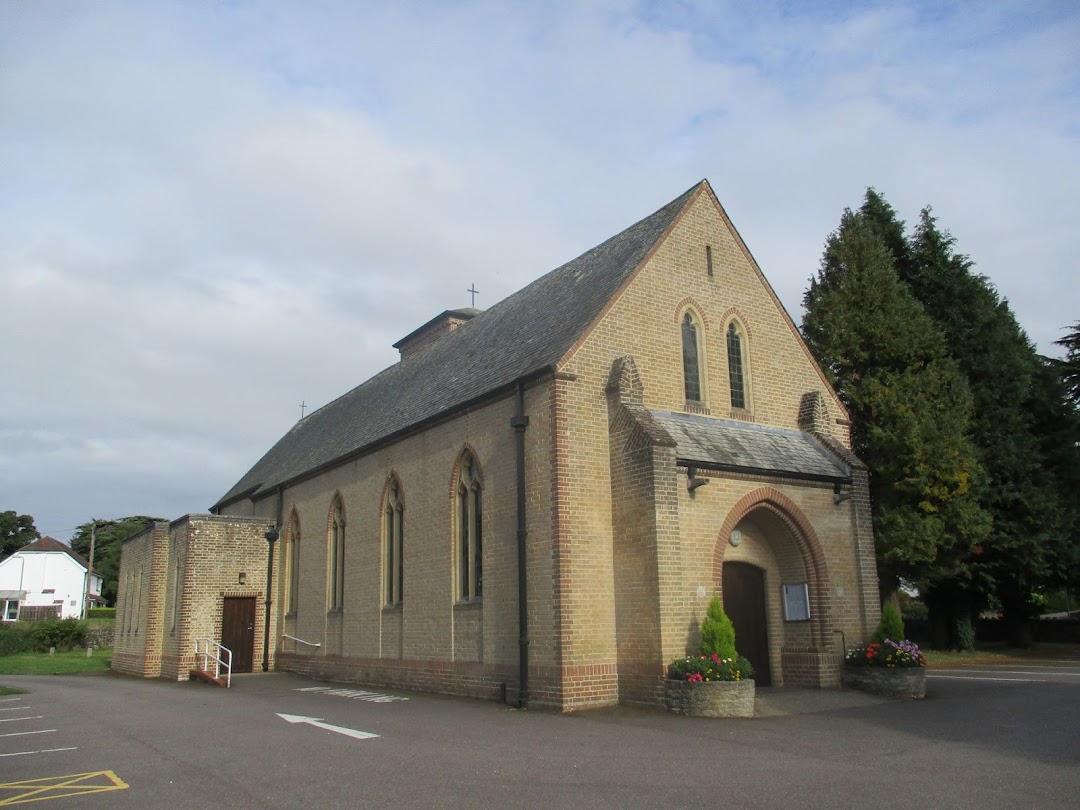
(46, 574)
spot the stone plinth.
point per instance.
(712, 699)
(894, 682)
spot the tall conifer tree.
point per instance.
(909, 405)
(1016, 410)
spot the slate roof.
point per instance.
(52, 544)
(520, 337)
(726, 444)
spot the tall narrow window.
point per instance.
(292, 559)
(336, 595)
(690, 358)
(470, 532)
(394, 527)
(178, 590)
(736, 375)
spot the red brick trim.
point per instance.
(691, 303)
(337, 498)
(773, 500)
(735, 314)
(392, 476)
(455, 472)
(776, 300)
(562, 361)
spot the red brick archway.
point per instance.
(772, 500)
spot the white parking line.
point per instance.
(15, 708)
(42, 751)
(24, 733)
(966, 678)
(1018, 672)
(8, 700)
(16, 719)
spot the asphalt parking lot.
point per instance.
(999, 736)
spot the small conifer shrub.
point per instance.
(717, 632)
(891, 625)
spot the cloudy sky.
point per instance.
(211, 212)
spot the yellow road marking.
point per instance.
(59, 787)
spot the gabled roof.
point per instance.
(521, 337)
(52, 544)
(725, 444)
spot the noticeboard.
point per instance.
(796, 602)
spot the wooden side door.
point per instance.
(744, 603)
(238, 630)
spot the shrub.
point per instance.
(717, 632)
(64, 634)
(915, 611)
(698, 668)
(888, 653)
(965, 634)
(101, 613)
(891, 625)
(16, 637)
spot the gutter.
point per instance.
(257, 492)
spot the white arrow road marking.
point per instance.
(315, 721)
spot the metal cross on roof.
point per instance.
(473, 291)
(303, 406)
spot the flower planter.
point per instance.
(710, 699)
(894, 682)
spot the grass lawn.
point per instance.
(998, 654)
(61, 663)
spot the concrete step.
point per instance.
(208, 677)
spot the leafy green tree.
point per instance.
(107, 546)
(909, 403)
(717, 631)
(16, 531)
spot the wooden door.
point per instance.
(744, 603)
(238, 630)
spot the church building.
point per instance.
(538, 500)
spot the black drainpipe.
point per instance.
(271, 538)
(520, 422)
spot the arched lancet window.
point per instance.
(691, 354)
(394, 533)
(336, 552)
(470, 531)
(177, 591)
(736, 368)
(292, 560)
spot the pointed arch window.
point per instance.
(336, 552)
(470, 531)
(394, 545)
(736, 368)
(691, 352)
(292, 560)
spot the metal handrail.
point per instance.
(294, 638)
(222, 658)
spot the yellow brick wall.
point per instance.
(431, 633)
(644, 322)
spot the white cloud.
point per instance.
(215, 211)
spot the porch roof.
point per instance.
(729, 445)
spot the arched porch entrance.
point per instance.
(766, 543)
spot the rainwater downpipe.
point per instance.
(271, 538)
(520, 422)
